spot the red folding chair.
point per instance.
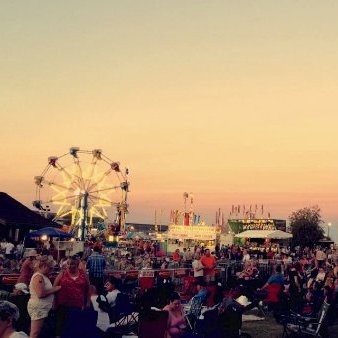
(146, 280)
(189, 288)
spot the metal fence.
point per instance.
(224, 272)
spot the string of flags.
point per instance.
(247, 211)
(185, 218)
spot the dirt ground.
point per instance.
(269, 328)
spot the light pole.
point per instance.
(328, 229)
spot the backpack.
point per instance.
(102, 301)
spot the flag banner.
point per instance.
(186, 218)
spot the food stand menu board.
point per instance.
(196, 232)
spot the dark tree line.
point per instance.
(306, 226)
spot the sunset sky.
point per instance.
(235, 101)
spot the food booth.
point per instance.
(185, 236)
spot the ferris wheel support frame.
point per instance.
(84, 207)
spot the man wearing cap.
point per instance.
(20, 289)
(9, 314)
(27, 268)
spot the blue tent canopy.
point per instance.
(51, 232)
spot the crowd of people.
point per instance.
(79, 284)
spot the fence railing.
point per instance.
(223, 272)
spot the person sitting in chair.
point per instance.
(176, 320)
(247, 272)
(276, 278)
(102, 316)
(112, 291)
(202, 292)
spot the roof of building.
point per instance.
(14, 213)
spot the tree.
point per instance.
(306, 226)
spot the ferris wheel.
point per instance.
(83, 186)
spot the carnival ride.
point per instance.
(82, 186)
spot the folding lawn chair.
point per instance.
(192, 311)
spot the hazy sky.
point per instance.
(235, 101)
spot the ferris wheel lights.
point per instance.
(73, 151)
(97, 153)
(115, 166)
(38, 181)
(52, 161)
(81, 187)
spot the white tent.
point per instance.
(274, 234)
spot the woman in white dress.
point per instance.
(42, 295)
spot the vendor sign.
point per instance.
(195, 232)
(239, 225)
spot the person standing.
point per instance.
(9, 249)
(177, 256)
(246, 256)
(3, 245)
(19, 250)
(209, 262)
(295, 286)
(198, 268)
(96, 264)
(27, 268)
(74, 294)
(320, 257)
(42, 295)
(87, 250)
